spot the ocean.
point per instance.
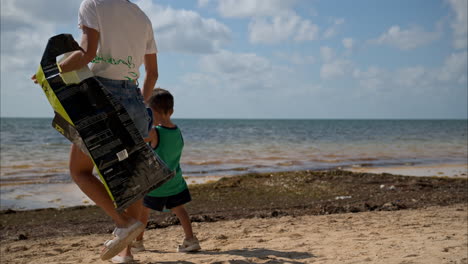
(35, 157)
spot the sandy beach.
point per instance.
(294, 217)
(429, 235)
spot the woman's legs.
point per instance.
(135, 211)
(81, 170)
(144, 215)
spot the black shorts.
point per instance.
(168, 202)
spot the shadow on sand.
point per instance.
(264, 255)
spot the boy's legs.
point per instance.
(184, 219)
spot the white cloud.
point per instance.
(184, 30)
(249, 8)
(348, 43)
(374, 79)
(296, 58)
(22, 49)
(333, 29)
(411, 81)
(26, 25)
(25, 28)
(202, 3)
(281, 28)
(412, 77)
(417, 79)
(272, 21)
(407, 39)
(306, 31)
(235, 65)
(460, 23)
(238, 71)
(454, 68)
(201, 80)
(34, 13)
(327, 53)
(371, 72)
(335, 69)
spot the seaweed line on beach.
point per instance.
(262, 195)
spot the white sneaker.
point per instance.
(118, 259)
(122, 238)
(137, 246)
(189, 245)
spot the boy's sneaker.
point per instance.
(189, 245)
(137, 246)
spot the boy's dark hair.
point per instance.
(161, 100)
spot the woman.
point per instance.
(117, 37)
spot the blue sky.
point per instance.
(272, 58)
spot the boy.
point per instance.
(166, 140)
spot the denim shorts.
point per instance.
(131, 98)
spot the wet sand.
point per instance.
(442, 170)
(294, 217)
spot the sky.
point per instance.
(311, 59)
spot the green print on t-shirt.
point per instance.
(113, 61)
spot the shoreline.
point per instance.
(50, 195)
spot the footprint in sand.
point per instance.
(296, 236)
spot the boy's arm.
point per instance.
(151, 69)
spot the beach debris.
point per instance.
(393, 206)
(277, 213)
(343, 197)
(221, 237)
(391, 187)
(55, 200)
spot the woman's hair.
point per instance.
(161, 101)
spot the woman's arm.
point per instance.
(151, 69)
(81, 58)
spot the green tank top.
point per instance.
(169, 149)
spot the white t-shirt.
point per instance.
(125, 37)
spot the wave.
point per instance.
(290, 163)
(204, 162)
